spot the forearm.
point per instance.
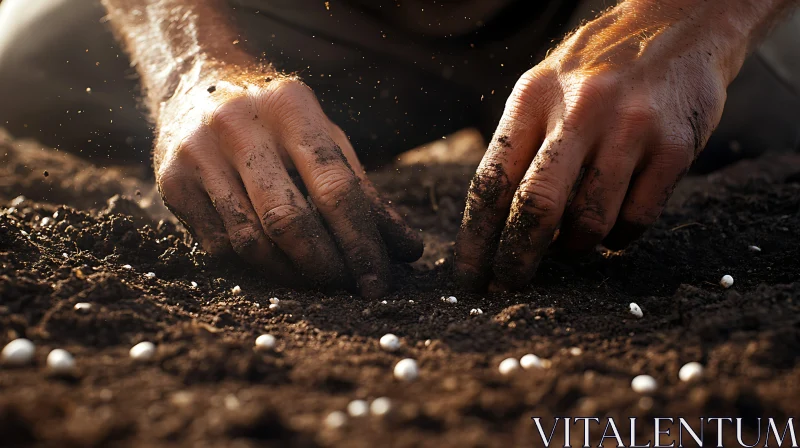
(167, 38)
(733, 27)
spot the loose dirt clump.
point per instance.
(207, 383)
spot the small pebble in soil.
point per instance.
(18, 352)
(390, 342)
(406, 370)
(236, 290)
(475, 312)
(143, 351)
(636, 311)
(150, 275)
(265, 342)
(450, 299)
(754, 249)
(531, 361)
(358, 408)
(83, 307)
(509, 366)
(644, 384)
(60, 362)
(127, 266)
(336, 419)
(274, 300)
(380, 406)
(690, 371)
(726, 281)
(274, 306)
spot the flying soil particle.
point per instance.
(212, 89)
(46, 174)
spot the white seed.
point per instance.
(143, 351)
(690, 371)
(410, 301)
(127, 266)
(150, 275)
(644, 384)
(265, 342)
(451, 299)
(18, 352)
(274, 300)
(194, 284)
(531, 361)
(509, 366)
(752, 248)
(336, 419)
(406, 370)
(358, 408)
(83, 307)
(59, 361)
(475, 312)
(45, 221)
(636, 311)
(390, 342)
(575, 351)
(384, 302)
(726, 281)
(380, 406)
(273, 306)
(236, 290)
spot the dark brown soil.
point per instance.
(208, 387)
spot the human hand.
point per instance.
(227, 144)
(594, 139)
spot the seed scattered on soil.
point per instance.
(690, 372)
(450, 299)
(475, 312)
(509, 366)
(265, 342)
(644, 384)
(273, 306)
(575, 351)
(194, 284)
(150, 275)
(380, 406)
(236, 290)
(358, 408)
(755, 248)
(18, 352)
(726, 281)
(143, 351)
(531, 361)
(406, 370)
(336, 419)
(127, 266)
(636, 311)
(274, 300)
(390, 342)
(60, 362)
(83, 307)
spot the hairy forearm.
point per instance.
(167, 38)
(735, 27)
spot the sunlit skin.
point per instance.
(612, 118)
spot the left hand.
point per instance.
(593, 141)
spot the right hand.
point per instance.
(226, 145)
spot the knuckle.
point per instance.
(587, 95)
(228, 116)
(279, 219)
(333, 186)
(540, 198)
(637, 114)
(591, 222)
(489, 186)
(245, 239)
(528, 93)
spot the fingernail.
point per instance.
(372, 287)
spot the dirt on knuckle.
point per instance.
(279, 219)
(592, 223)
(334, 186)
(245, 239)
(539, 198)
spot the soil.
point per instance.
(207, 386)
